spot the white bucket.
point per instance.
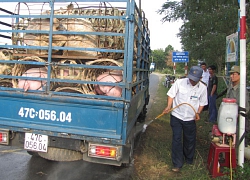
(227, 116)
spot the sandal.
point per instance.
(176, 169)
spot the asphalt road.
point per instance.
(17, 164)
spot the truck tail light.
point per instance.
(104, 151)
(4, 137)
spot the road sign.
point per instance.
(178, 57)
(232, 47)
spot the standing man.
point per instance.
(182, 120)
(233, 90)
(212, 94)
(205, 78)
(205, 73)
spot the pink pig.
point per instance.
(33, 84)
(109, 90)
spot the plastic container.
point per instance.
(247, 152)
(227, 116)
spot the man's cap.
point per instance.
(195, 73)
(235, 69)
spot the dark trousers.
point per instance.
(213, 112)
(183, 149)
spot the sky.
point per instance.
(161, 34)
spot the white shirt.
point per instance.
(205, 77)
(182, 91)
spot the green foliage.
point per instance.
(168, 49)
(168, 70)
(180, 68)
(205, 27)
(159, 56)
(239, 173)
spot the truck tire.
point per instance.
(33, 153)
(142, 117)
(57, 154)
(131, 154)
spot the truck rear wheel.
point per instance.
(131, 154)
(33, 153)
(57, 154)
(141, 118)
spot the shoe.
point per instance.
(189, 163)
(176, 169)
(206, 121)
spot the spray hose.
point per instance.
(231, 170)
(145, 125)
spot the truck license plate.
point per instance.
(36, 142)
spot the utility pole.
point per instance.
(242, 78)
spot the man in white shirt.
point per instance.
(193, 94)
(205, 73)
(205, 78)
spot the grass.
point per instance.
(153, 155)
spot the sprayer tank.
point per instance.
(227, 116)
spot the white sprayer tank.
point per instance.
(227, 116)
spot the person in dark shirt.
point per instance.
(212, 94)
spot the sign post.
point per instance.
(186, 69)
(174, 67)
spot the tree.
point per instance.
(168, 51)
(205, 26)
(161, 57)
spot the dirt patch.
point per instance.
(151, 157)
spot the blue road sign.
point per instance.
(180, 57)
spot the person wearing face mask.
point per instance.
(193, 94)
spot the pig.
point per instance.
(33, 84)
(109, 90)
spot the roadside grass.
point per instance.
(153, 155)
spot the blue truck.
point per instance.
(74, 78)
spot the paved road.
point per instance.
(17, 164)
(153, 87)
